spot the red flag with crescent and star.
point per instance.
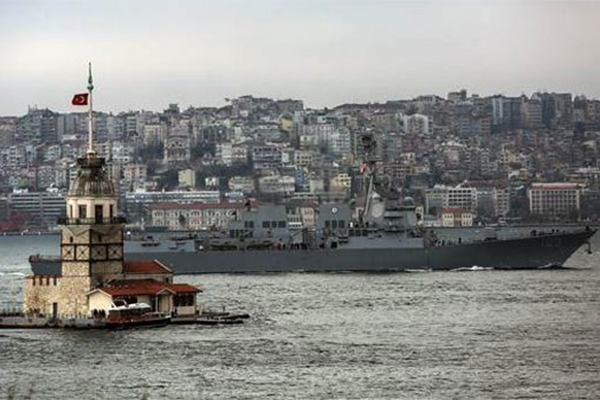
(80, 99)
(363, 168)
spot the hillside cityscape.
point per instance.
(464, 159)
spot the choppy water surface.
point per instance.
(436, 335)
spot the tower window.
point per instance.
(82, 211)
(98, 214)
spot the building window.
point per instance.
(82, 211)
(183, 300)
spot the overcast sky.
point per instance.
(147, 54)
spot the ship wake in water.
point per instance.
(473, 268)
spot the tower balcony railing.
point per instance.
(92, 221)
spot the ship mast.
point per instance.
(369, 164)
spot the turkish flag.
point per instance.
(80, 99)
(363, 168)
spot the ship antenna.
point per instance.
(369, 191)
(370, 164)
(91, 153)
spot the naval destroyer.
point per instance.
(388, 236)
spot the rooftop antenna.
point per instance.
(91, 153)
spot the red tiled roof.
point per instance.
(183, 288)
(146, 287)
(145, 267)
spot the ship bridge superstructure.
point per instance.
(386, 209)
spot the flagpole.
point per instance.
(90, 87)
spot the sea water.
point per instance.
(435, 335)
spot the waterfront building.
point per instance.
(456, 217)
(450, 197)
(194, 216)
(561, 200)
(43, 208)
(137, 202)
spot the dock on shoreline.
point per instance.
(21, 321)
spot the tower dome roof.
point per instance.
(91, 181)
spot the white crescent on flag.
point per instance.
(80, 99)
(363, 168)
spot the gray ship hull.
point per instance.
(523, 253)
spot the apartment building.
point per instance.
(555, 199)
(43, 208)
(450, 197)
(194, 216)
(456, 217)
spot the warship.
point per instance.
(388, 235)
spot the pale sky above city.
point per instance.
(147, 54)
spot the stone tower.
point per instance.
(91, 244)
(91, 237)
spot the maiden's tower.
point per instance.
(94, 276)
